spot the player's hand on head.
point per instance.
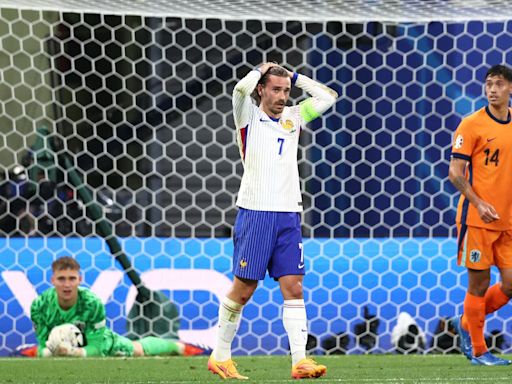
(266, 66)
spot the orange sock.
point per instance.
(494, 300)
(474, 313)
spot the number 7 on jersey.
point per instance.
(280, 140)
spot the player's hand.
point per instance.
(290, 73)
(66, 349)
(266, 66)
(63, 349)
(51, 346)
(487, 212)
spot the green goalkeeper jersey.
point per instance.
(88, 314)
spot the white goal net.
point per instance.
(137, 96)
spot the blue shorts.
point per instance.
(266, 240)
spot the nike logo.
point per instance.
(265, 121)
(491, 139)
(300, 266)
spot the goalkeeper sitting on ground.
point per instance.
(69, 303)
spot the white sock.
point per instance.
(229, 318)
(295, 324)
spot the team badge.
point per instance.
(458, 142)
(287, 124)
(474, 255)
(243, 263)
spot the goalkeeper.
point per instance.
(66, 302)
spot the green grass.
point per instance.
(271, 369)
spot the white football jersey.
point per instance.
(268, 147)
(269, 153)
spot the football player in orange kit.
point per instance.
(481, 169)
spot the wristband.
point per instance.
(294, 77)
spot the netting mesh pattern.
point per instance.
(354, 290)
(142, 107)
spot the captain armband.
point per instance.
(307, 110)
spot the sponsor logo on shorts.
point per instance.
(301, 265)
(475, 255)
(243, 263)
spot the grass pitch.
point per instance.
(265, 369)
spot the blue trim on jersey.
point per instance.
(495, 118)
(462, 234)
(461, 156)
(465, 204)
(274, 119)
(294, 78)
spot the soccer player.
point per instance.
(267, 232)
(66, 302)
(480, 168)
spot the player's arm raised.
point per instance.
(242, 94)
(322, 98)
(456, 174)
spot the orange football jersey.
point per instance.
(486, 143)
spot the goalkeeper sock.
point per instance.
(229, 318)
(153, 346)
(295, 324)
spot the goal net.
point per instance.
(138, 98)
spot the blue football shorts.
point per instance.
(266, 240)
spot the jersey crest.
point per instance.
(475, 255)
(288, 125)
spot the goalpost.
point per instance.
(138, 95)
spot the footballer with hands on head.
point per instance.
(267, 234)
